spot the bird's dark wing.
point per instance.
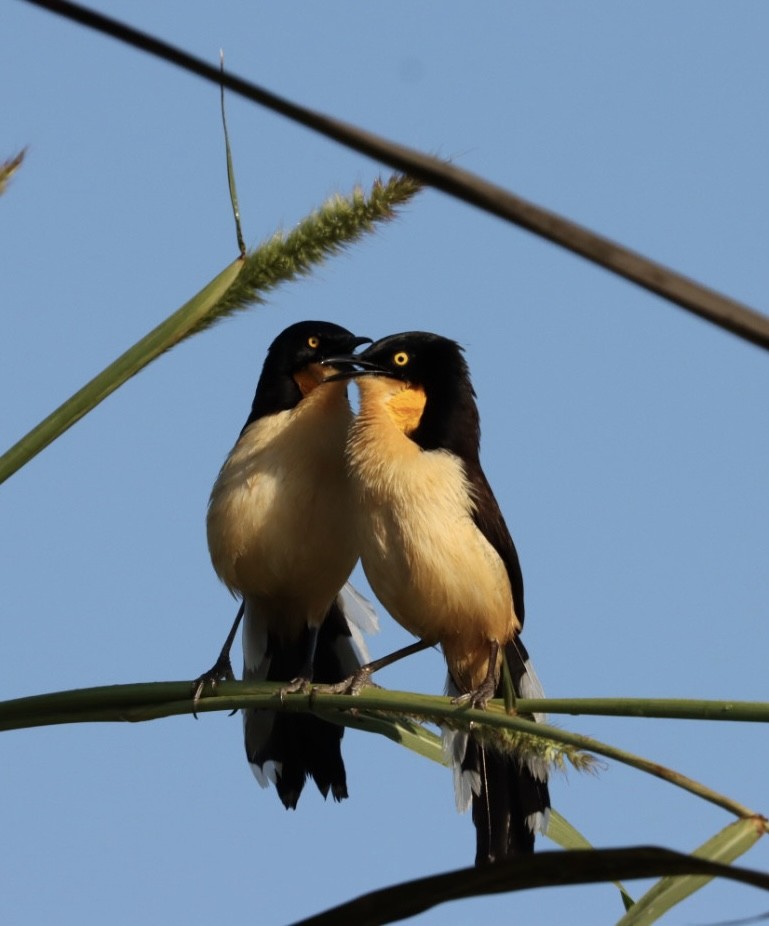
(491, 524)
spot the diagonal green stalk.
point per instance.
(128, 364)
(148, 701)
(426, 743)
(326, 231)
(391, 714)
(440, 710)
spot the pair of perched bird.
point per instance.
(307, 490)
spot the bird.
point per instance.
(279, 537)
(439, 557)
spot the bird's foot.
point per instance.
(352, 685)
(220, 671)
(299, 685)
(478, 697)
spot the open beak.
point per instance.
(349, 367)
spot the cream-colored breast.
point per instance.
(424, 556)
(279, 516)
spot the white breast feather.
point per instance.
(421, 550)
(279, 515)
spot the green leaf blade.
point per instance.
(152, 345)
(732, 842)
(245, 282)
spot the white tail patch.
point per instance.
(361, 619)
(466, 781)
(267, 773)
(351, 651)
(531, 687)
(538, 822)
(528, 685)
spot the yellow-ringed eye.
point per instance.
(401, 358)
(313, 341)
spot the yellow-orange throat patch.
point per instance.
(406, 407)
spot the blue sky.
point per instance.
(627, 442)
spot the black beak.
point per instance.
(350, 367)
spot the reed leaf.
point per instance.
(726, 846)
(245, 282)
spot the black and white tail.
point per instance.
(287, 748)
(508, 792)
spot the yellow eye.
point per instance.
(313, 341)
(401, 358)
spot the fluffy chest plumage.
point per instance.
(423, 554)
(278, 518)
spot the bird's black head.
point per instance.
(437, 366)
(293, 368)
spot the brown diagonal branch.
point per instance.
(700, 300)
(545, 869)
